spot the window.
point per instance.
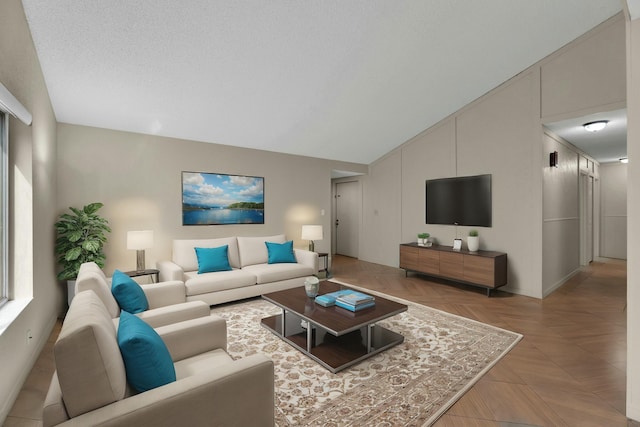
(4, 207)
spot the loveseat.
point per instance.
(92, 384)
(167, 301)
(251, 273)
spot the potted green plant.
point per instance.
(423, 238)
(473, 241)
(81, 236)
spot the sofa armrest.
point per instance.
(169, 314)
(238, 393)
(307, 258)
(169, 270)
(195, 336)
(165, 293)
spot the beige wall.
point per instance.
(633, 227)
(501, 134)
(613, 185)
(138, 178)
(32, 208)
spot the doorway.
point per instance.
(347, 223)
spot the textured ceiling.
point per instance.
(347, 80)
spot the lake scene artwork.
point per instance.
(215, 199)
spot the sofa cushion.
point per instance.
(128, 293)
(88, 362)
(267, 273)
(147, 360)
(197, 284)
(184, 253)
(195, 365)
(213, 259)
(280, 252)
(253, 249)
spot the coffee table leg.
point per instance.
(309, 337)
(369, 330)
(284, 322)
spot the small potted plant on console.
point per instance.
(423, 239)
(473, 241)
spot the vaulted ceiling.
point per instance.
(347, 80)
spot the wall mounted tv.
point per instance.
(464, 200)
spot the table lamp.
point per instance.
(140, 240)
(311, 233)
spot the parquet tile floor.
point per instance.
(569, 370)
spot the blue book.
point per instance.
(327, 300)
(353, 307)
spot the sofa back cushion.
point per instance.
(184, 251)
(253, 249)
(90, 279)
(88, 362)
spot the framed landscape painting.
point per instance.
(216, 199)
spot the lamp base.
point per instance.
(140, 260)
(311, 246)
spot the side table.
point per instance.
(149, 272)
(325, 262)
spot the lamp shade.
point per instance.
(139, 240)
(311, 232)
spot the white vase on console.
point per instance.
(473, 243)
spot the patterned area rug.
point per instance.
(411, 384)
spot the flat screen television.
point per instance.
(464, 200)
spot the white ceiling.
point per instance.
(338, 79)
(607, 145)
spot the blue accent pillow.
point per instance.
(280, 252)
(147, 360)
(213, 259)
(128, 293)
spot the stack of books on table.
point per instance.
(355, 301)
(328, 300)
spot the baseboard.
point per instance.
(559, 283)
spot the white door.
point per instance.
(586, 219)
(347, 223)
(589, 220)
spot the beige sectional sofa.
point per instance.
(90, 386)
(251, 274)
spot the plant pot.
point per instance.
(71, 290)
(421, 242)
(473, 243)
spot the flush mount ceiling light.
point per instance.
(595, 126)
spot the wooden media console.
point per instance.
(487, 269)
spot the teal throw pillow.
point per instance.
(280, 252)
(128, 293)
(213, 259)
(147, 360)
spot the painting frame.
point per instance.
(210, 198)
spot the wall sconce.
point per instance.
(624, 160)
(140, 240)
(553, 159)
(311, 233)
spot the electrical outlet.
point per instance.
(29, 336)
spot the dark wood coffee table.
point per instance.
(332, 336)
